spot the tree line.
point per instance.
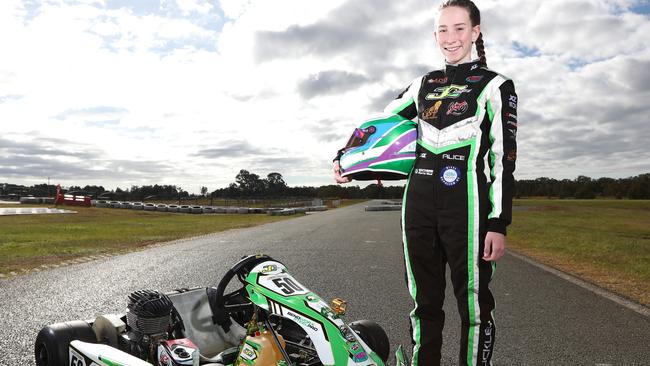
(637, 187)
(250, 185)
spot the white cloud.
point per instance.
(199, 6)
(161, 85)
(233, 9)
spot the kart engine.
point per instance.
(148, 316)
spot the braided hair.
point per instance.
(475, 19)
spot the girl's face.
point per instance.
(455, 34)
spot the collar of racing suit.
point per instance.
(463, 68)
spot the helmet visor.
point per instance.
(360, 137)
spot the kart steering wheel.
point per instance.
(216, 297)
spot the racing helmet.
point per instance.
(381, 148)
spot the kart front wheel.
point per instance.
(51, 346)
(374, 336)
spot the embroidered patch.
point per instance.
(450, 175)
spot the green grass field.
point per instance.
(606, 242)
(28, 241)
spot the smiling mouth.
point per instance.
(452, 49)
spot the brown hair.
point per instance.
(475, 18)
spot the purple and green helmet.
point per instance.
(381, 148)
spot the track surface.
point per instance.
(349, 253)
(32, 211)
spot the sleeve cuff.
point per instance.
(497, 226)
(338, 155)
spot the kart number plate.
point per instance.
(76, 359)
(284, 285)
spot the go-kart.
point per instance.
(271, 320)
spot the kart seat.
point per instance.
(193, 307)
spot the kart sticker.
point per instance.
(357, 352)
(75, 359)
(360, 357)
(324, 309)
(269, 268)
(164, 359)
(303, 321)
(297, 317)
(283, 284)
(312, 298)
(347, 333)
(248, 353)
(313, 327)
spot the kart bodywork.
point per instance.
(271, 320)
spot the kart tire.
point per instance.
(51, 346)
(374, 336)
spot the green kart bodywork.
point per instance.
(273, 302)
(271, 287)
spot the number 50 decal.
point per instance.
(76, 359)
(287, 285)
(284, 285)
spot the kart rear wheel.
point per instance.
(51, 346)
(374, 336)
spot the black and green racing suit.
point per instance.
(460, 187)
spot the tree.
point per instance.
(639, 187)
(585, 192)
(232, 191)
(609, 187)
(249, 184)
(204, 191)
(584, 188)
(275, 185)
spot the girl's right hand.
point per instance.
(337, 174)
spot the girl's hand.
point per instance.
(495, 246)
(337, 174)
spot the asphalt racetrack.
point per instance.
(541, 319)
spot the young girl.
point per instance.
(458, 198)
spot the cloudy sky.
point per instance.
(188, 92)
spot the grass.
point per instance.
(346, 202)
(29, 241)
(606, 242)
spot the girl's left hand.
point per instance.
(495, 246)
(337, 174)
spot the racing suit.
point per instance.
(460, 187)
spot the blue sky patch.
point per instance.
(575, 64)
(140, 7)
(206, 44)
(92, 112)
(9, 97)
(107, 123)
(32, 8)
(525, 51)
(642, 8)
